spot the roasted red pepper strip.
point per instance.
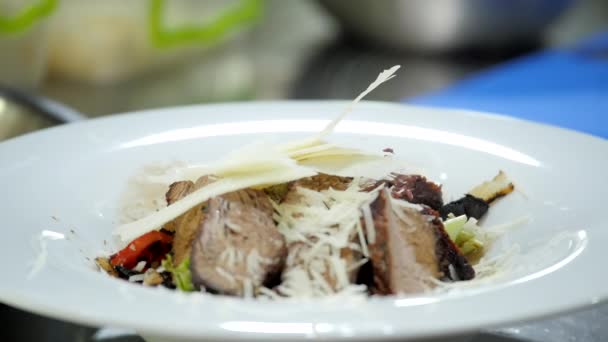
(138, 249)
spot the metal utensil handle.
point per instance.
(43, 105)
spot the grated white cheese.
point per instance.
(247, 288)
(136, 278)
(140, 266)
(268, 293)
(254, 265)
(318, 228)
(362, 242)
(320, 281)
(382, 77)
(233, 226)
(405, 204)
(228, 257)
(226, 275)
(358, 264)
(340, 271)
(370, 228)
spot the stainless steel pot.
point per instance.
(445, 25)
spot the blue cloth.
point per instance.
(563, 87)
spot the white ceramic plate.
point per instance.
(61, 188)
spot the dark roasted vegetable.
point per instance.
(124, 272)
(469, 205)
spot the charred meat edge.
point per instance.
(450, 264)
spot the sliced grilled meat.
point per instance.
(178, 190)
(417, 189)
(187, 224)
(318, 182)
(324, 181)
(411, 248)
(403, 254)
(237, 243)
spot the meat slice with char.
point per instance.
(186, 225)
(452, 263)
(318, 182)
(410, 249)
(237, 244)
(417, 189)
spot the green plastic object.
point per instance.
(241, 15)
(27, 17)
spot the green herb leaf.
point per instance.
(182, 278)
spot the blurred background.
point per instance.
(69, 60)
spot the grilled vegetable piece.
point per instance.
(489, 191)
(149, 247)
(476, 203)
(468, 205)
(152, 278)
(238, 245)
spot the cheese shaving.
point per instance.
(382, 77)
(140, 266)
(319, 227)
(254, 265)
(358, 264)
(128, 232)
(247, 288)
(370, 228)
(136, 277)
(228, 257)
(362, 242)
(226, 275)
(233, 226)
(340, 271)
